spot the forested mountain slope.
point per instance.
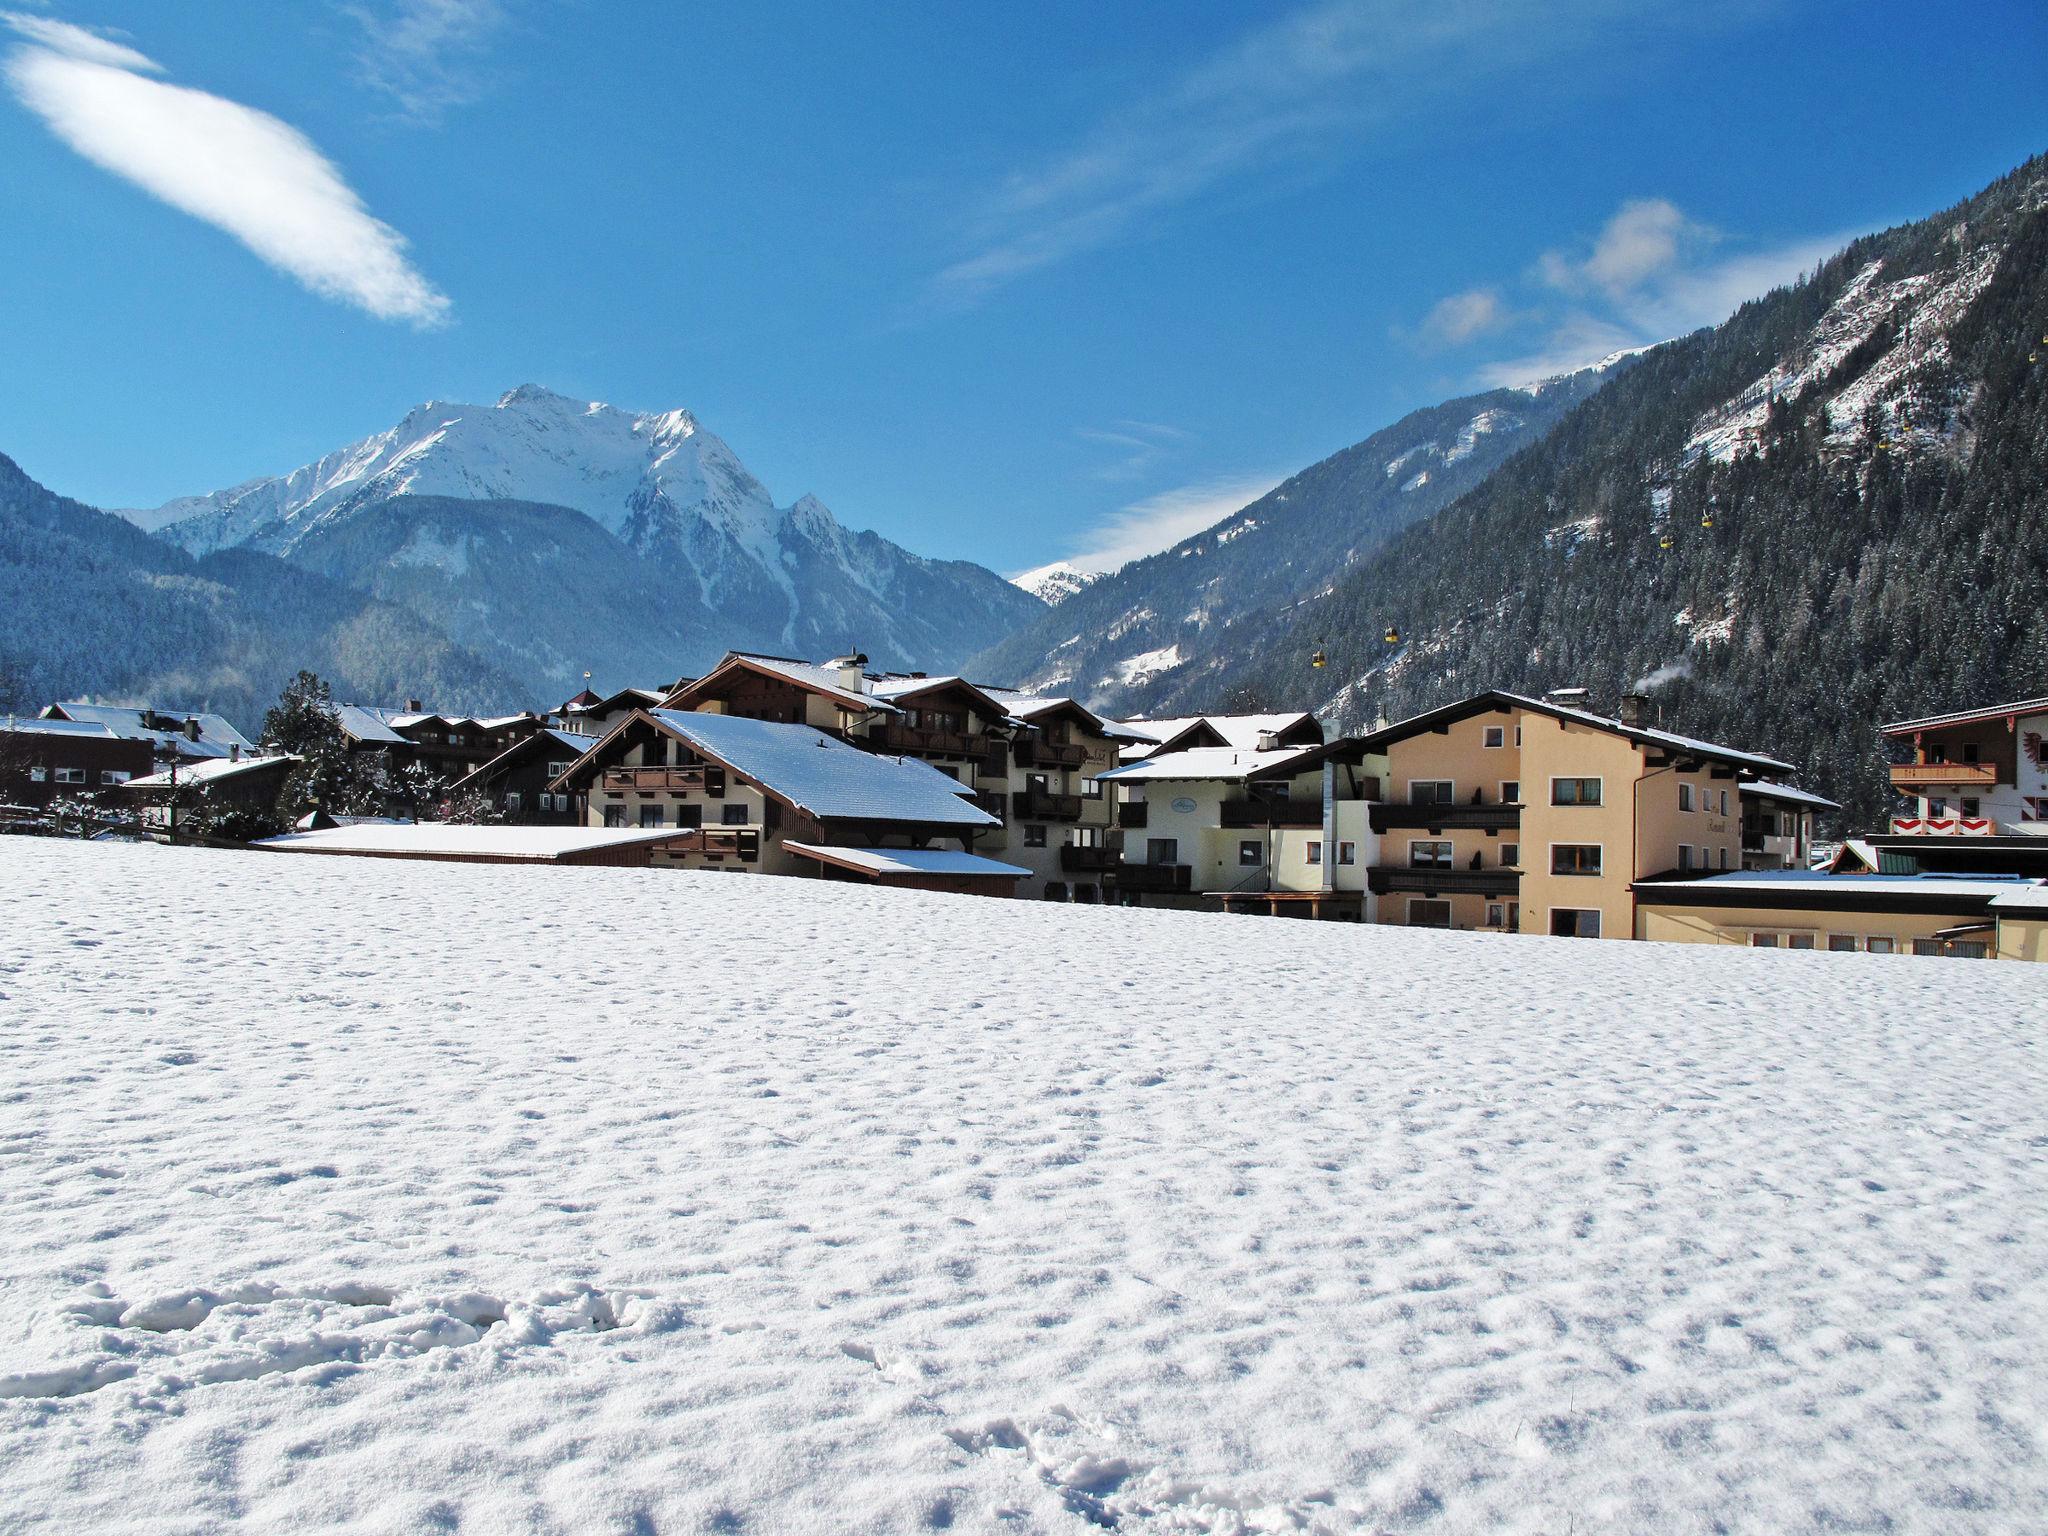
(1160, 630)
(1828, 512)
(90, 604)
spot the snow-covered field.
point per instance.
(404, 1197)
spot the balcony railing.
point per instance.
(742, 843)
(994, 801)
(1131, 815)
(1034, 753)
(1076, 860)
(670, 780)
(1272, 813)
(1036, 805)
(921, 738)
(1911, 776)
(1442, 817)
(1383, 878)
(1154, 877)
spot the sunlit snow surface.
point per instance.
(405, 1197)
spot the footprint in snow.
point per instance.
(169, 1343)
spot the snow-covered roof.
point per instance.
(211, 771)
(2031, 899)
(1024, 708)
(1231, 763)
(430, 839)
(1791, 794)
(2035, 706)
(825, 776)
(216, 736)
(1236, 730)
(90, 728)
(1840, 887)
(908, 861)
(366, 722)
(807, 675)
(897, 687)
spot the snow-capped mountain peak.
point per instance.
(638, 475)
(1055, 583)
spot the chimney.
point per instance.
(412, 707)
(848, 669)
(1632, 707)
(191, 728)
(234, 751)
(1269, 741)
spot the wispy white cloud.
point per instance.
(1651, 272)
(1459, 317)
(1158, 522)
(1299, 90)
(1135, 447)
(425, 54)
(239, 169)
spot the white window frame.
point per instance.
(1256, 848)
(1855, 944)
(1434, 842)
(1505, 786)
(69, 775)
(1510, 863)
(38, 773)
(1494, 737)
(1551, 868)
(556, 770)
(1314, 852)
(115, 775)
(1451, 799)
(1577, 778)
(1687, 797)
(1347, 852)
(1593, 912)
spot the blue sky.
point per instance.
(1004, 283)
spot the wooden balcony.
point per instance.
(1131, 815)
(1914, 777)
(1034, 753)
(1383, 878)
(1160, 878)
(741, 843)
(1036, 805)
(1272, 813)
(990, 800)
(1440, 817)
(674, 781)
(929, 741)
(1076, 860)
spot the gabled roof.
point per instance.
(212, 771)
(820, 774)
(806, 675)
(898, 689)
(1230, 730)
(1496, 700)
(2037, 706)
(588, 703)
(548, 738)
(1031, 708)
(216, 736)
